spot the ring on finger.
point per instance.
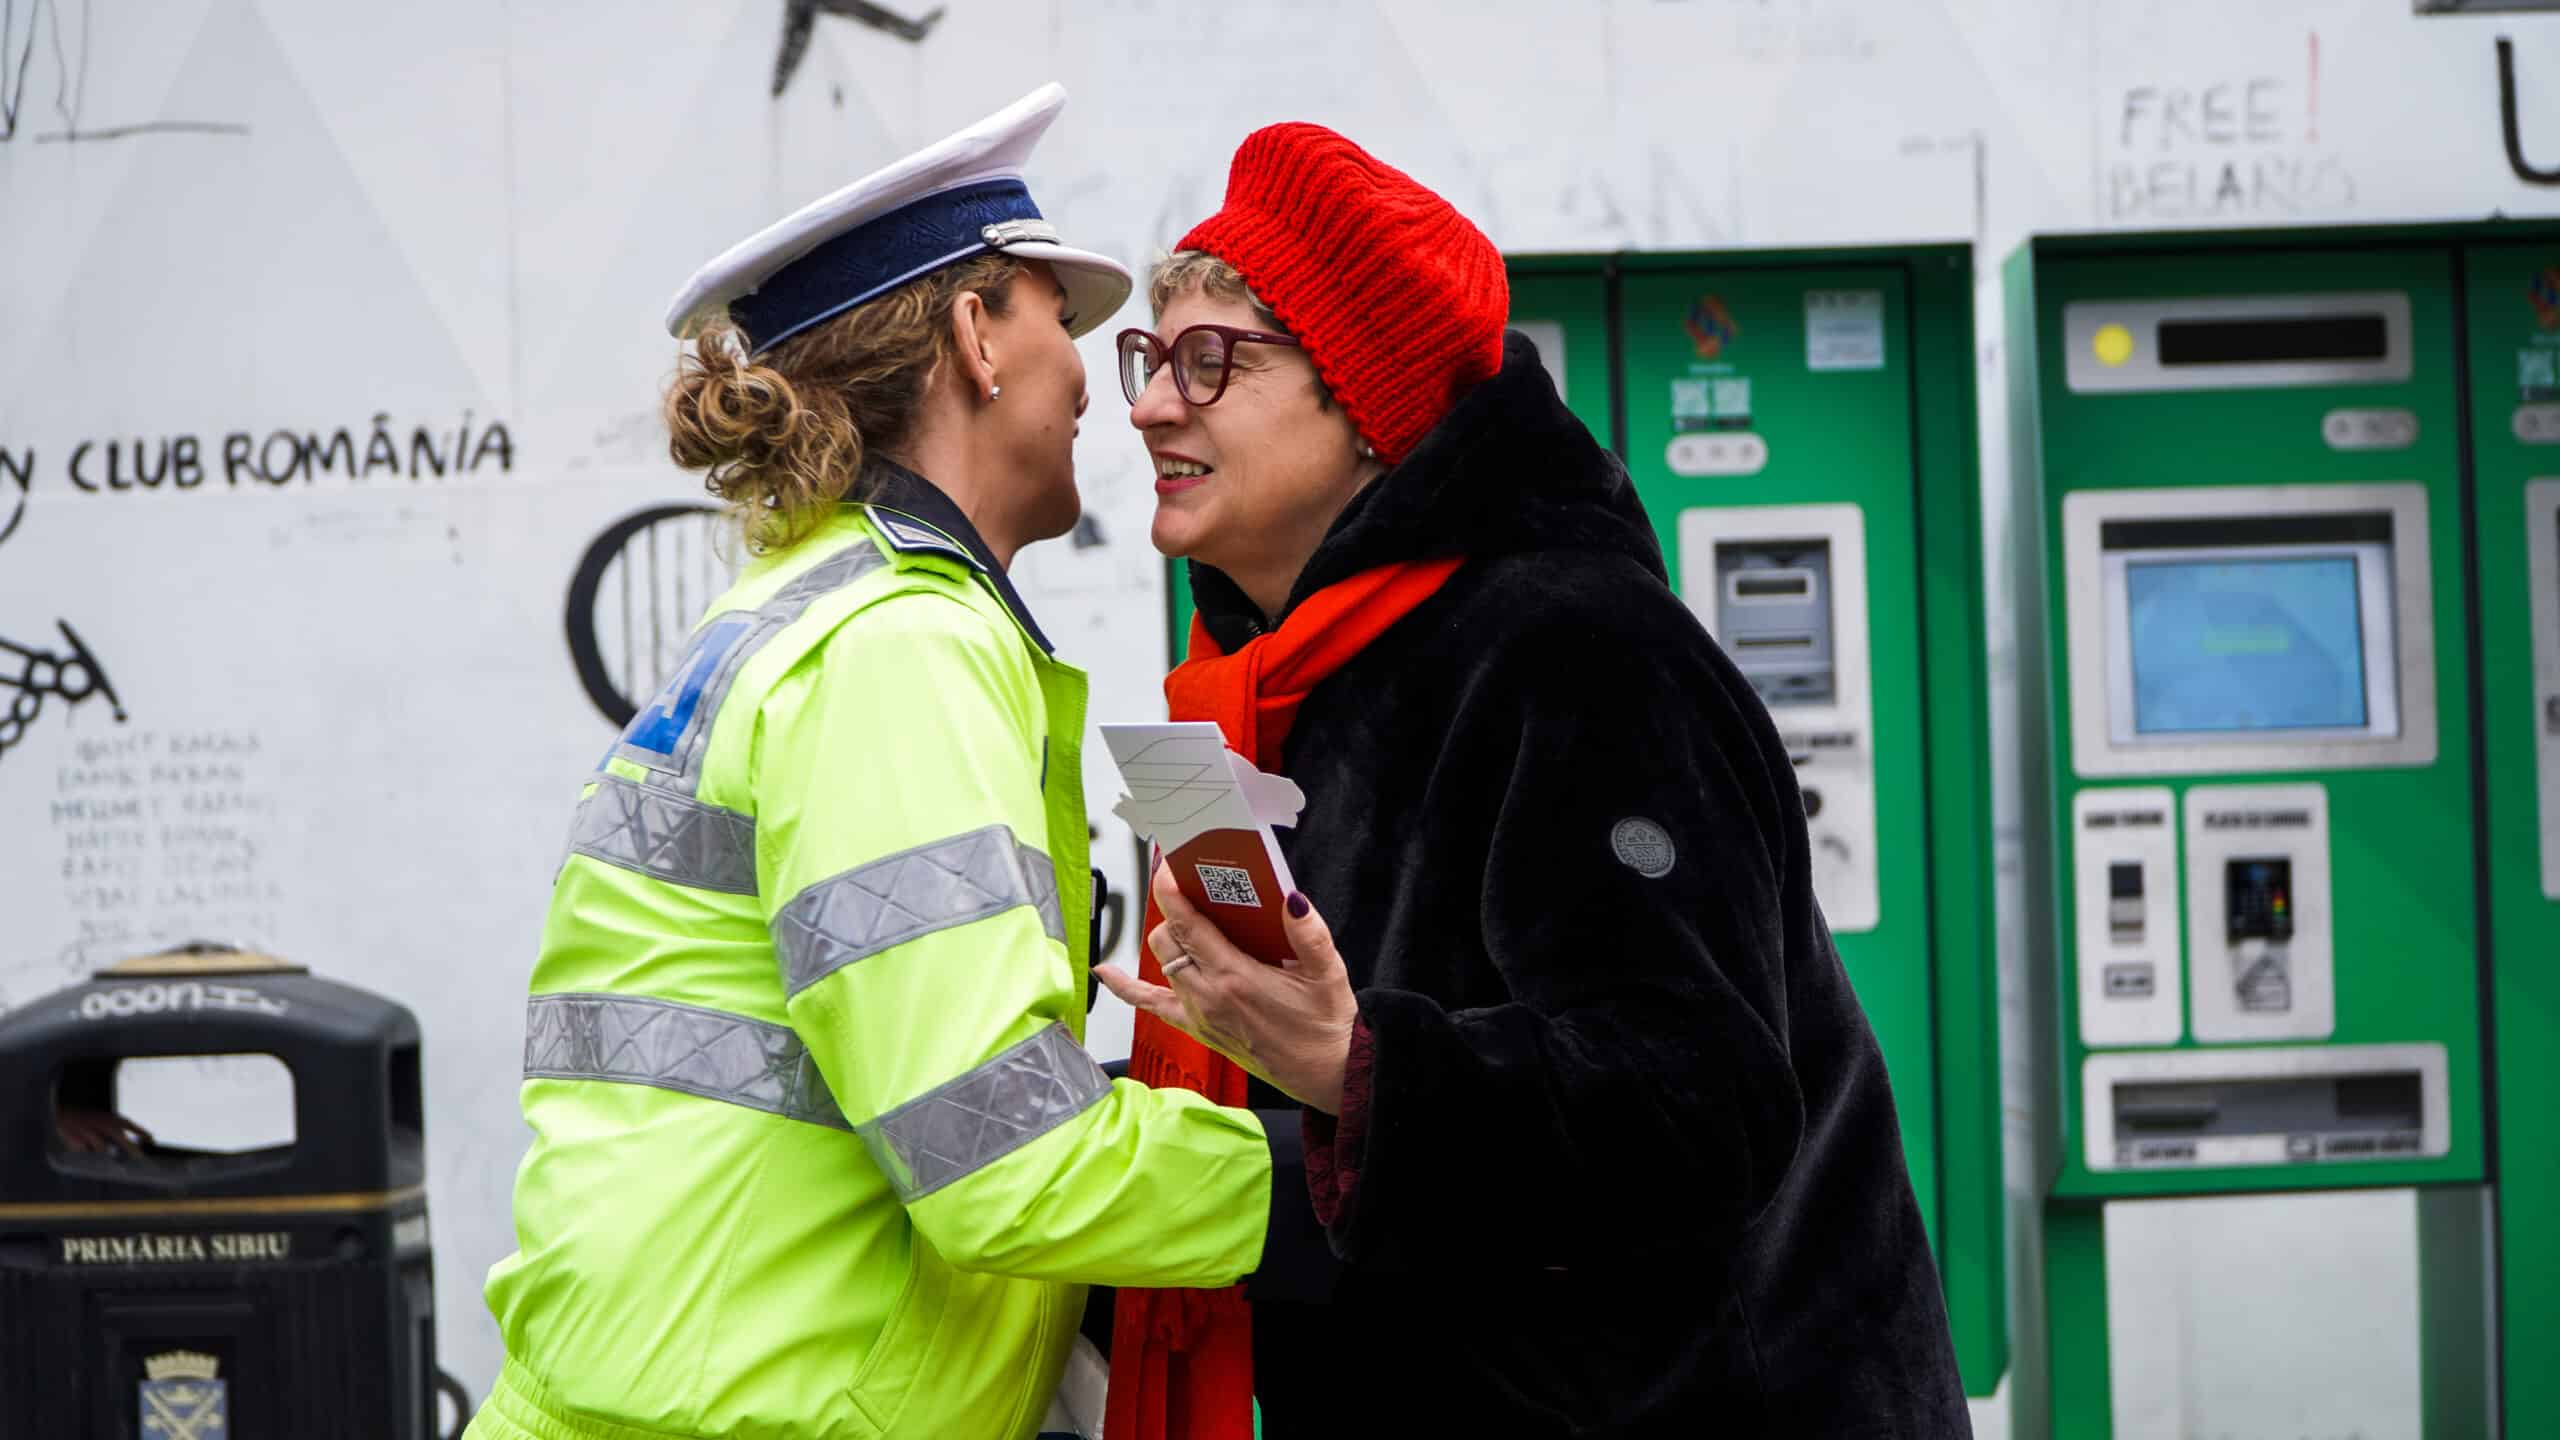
(1178, 962)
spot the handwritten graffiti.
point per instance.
(19, 470)
(2240, 145)
(167, 834)
(66, 42)
(633, 602)
(2528, 173)
(799, 17)
(71, 676)
(244, 460)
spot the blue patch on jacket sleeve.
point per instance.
(661, 724)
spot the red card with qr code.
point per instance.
(1210, 813)
(1229, 877)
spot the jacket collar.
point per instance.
(908, 496)
(1508, 470)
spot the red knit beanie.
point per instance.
(1399, 299)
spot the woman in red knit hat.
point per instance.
(1598, 1138)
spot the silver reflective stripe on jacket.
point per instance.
(666, 836)
(915, 892)
(630, 1040)
(985, 1115)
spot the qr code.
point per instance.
(1228, 885)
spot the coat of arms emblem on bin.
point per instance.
(183, 1398)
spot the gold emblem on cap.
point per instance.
(182, 1365)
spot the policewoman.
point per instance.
(818, 1150)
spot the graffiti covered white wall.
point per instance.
(335, 521)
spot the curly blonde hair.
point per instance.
(783, 436)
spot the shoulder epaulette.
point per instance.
(911, 537)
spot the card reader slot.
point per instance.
(1773, 642)
(2126, 910)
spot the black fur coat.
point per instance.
(1631, 1167)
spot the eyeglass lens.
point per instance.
(1199, 365)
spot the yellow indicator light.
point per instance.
(2114, 344)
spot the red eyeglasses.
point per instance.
(1200, 368)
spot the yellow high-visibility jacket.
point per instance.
(818, 1150)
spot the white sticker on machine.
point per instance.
(1844, 329)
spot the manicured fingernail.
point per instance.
(1297, 905)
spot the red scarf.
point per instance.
(1182, 1360)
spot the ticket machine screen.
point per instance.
(2247, 644)
(2240, 629)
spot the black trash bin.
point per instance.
(166, 1293)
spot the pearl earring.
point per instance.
(1367, 451)
(993, 391)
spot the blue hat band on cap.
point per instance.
(876, 257)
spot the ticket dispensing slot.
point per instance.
(2542, 569)
(2249, 629)
(2265, 1107)
(1783, 589)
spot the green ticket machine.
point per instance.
(2289, 755)
(1801, 427)
(2510, 284)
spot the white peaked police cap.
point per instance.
(959, 197)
